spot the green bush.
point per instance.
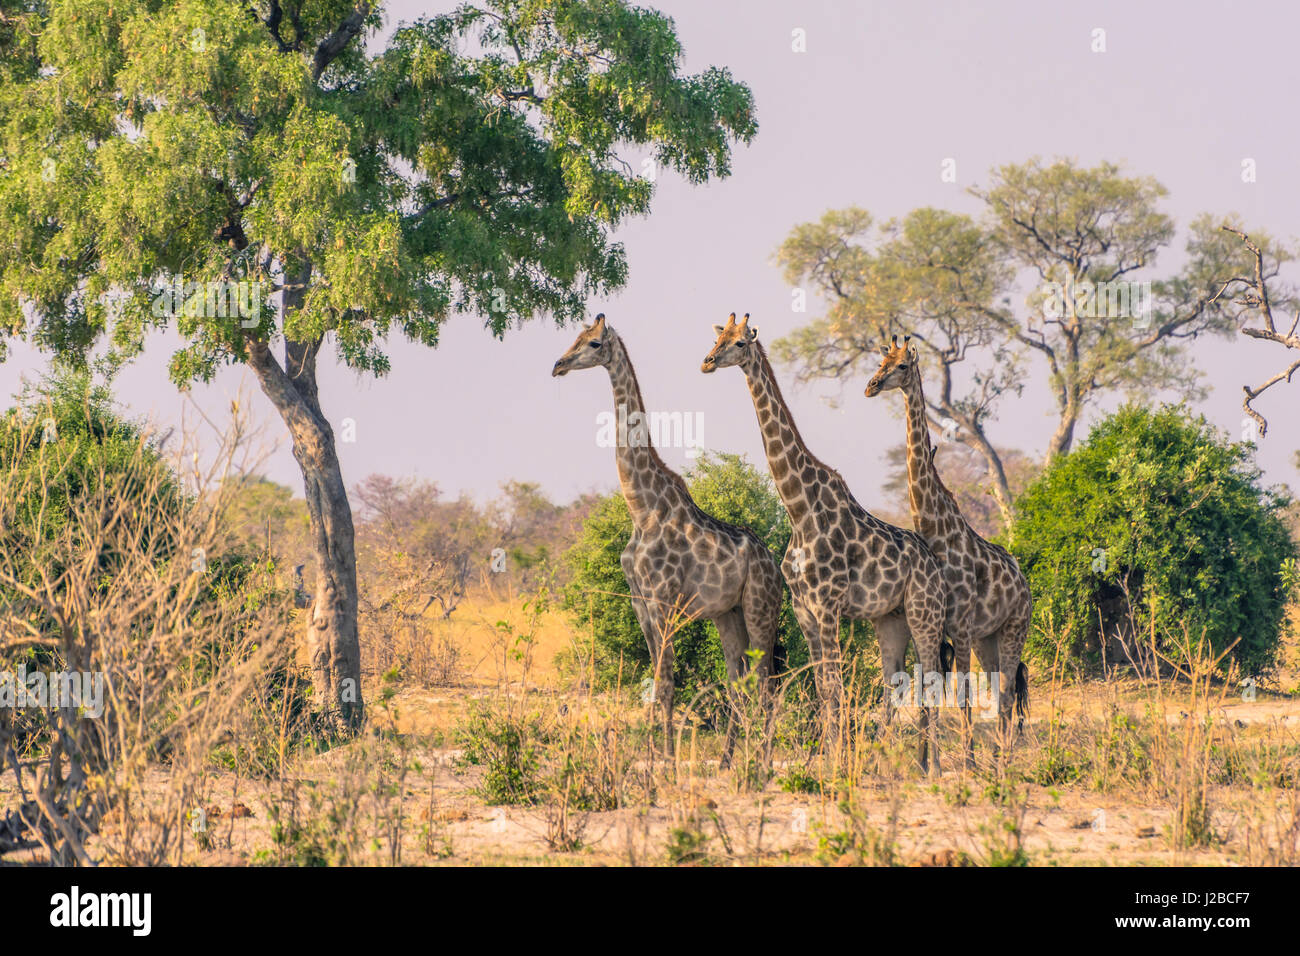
(509, 747)
(60, 445)
(1158, 524)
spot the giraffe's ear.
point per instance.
(719, 329)
(753, 332)
(884, 350)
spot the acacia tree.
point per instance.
(1079, 235)
(469, 164)
(932, 275)
(1083, 232)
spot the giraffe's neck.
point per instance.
(787, 455)
(651, 488)
(932, 503)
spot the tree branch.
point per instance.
(336, 42)
(1255, 295)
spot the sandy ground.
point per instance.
(948, 821)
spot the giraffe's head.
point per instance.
(898, 365)
(589, 349)
(736, 343)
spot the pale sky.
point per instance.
(884, 93)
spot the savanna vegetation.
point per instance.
(199, 665)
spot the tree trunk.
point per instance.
(998, 475)
(1063, 437)
(332, 624)
(332, 627)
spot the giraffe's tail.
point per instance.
(947, 655)
(1022, 695)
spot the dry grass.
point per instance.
(513, 768)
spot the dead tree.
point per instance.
(1252, 294)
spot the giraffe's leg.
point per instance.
(662, 661)
(761, 608)
(962, 641)
(656, 627)
(820, 626)
(928, 651)
(893, 635)
(987, 648)
(641, 608)
(925, 620)
(731, 632)
(1011, 641)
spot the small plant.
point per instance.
(508, 748)
(1123, 750)
(687, 844)
(1192, 823)
(1002, 835)
(800, 780)
(861, 843)
(958, 796)
(1057, 765)
(327, 834)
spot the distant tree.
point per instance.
(933, 275)
(1156, 527)
(298, 185)
(416, 550)
(964, 475)
(1080, 234)
(535, 531)
(265, 516)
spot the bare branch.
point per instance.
(1254, 295)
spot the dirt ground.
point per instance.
(447, 821)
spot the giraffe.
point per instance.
(681, 561)
(990, 602)
(842, 561)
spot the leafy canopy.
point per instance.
(471, 164)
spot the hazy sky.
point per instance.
(884, 93)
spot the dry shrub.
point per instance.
(135, 585)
